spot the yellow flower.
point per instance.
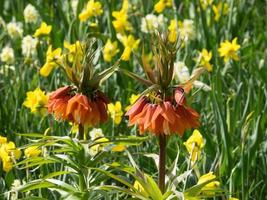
(115, 112)
(232, 198)
(36, 101)
(3, 140)
(204, 59)
(7, 164)
(8, 152)
(110, 50)
(118, 148)
(121, 23)
(228, 50)
(32, 151)
(132, 100)
(194, 144)
(173, 31)
(53, 59)
(210, 186)
(44, 29)
(93, 150)
(75, 51)
(161, 5)
(218, 10)
(92, 9)
(205, 3)
(130, 44)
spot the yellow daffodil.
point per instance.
(44, 29)
(36, 101)
(204, 59)
(121, 23)
(93, 8)
(118, 148)
(115, 112)
(232, 198)
(75, 51)
(173, 31)
(110, 50)
(132, 100)
(8, 153)
(32, 151)
(161, 5)
(217, 9)
(228, 50)
(3, 140)
(7, 164)
(53, 59)
(210, 186)
(194, 144)
(130, 44)
(205, 3)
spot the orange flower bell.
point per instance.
(78, 108)
(166, 117)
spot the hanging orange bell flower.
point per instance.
(78, 108)
(165, 117)
(58, 101)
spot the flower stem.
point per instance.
(81, 132)
(162, 161)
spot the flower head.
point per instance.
(181, 72)
(130, 44)
(36, 100)
(161, 5)
(115, 112)
(58, 102)
(204, 59)
(151, 22)
(8, 153)
(3, 140)
(78, 108)
(93, 8)
(173, 31)
(32, 151)
(53, 59)
(160, 116)
(187, 30)
(121, 23)
(220, 8)
(96, 133)
(30, 14)
(44, 29)
(7, 55)
(110, 50)
(194, 144)
(14, 29)
(29, 46)
(213, 185)
(228, 50)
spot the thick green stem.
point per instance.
(81, 132)
(162, 162)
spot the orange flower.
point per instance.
(166, 117)
(78, 109)
(58, 101)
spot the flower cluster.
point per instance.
(66, 104)
(8, 153)
(163, 116)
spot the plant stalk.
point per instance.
(81, 132)
(162, 162)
